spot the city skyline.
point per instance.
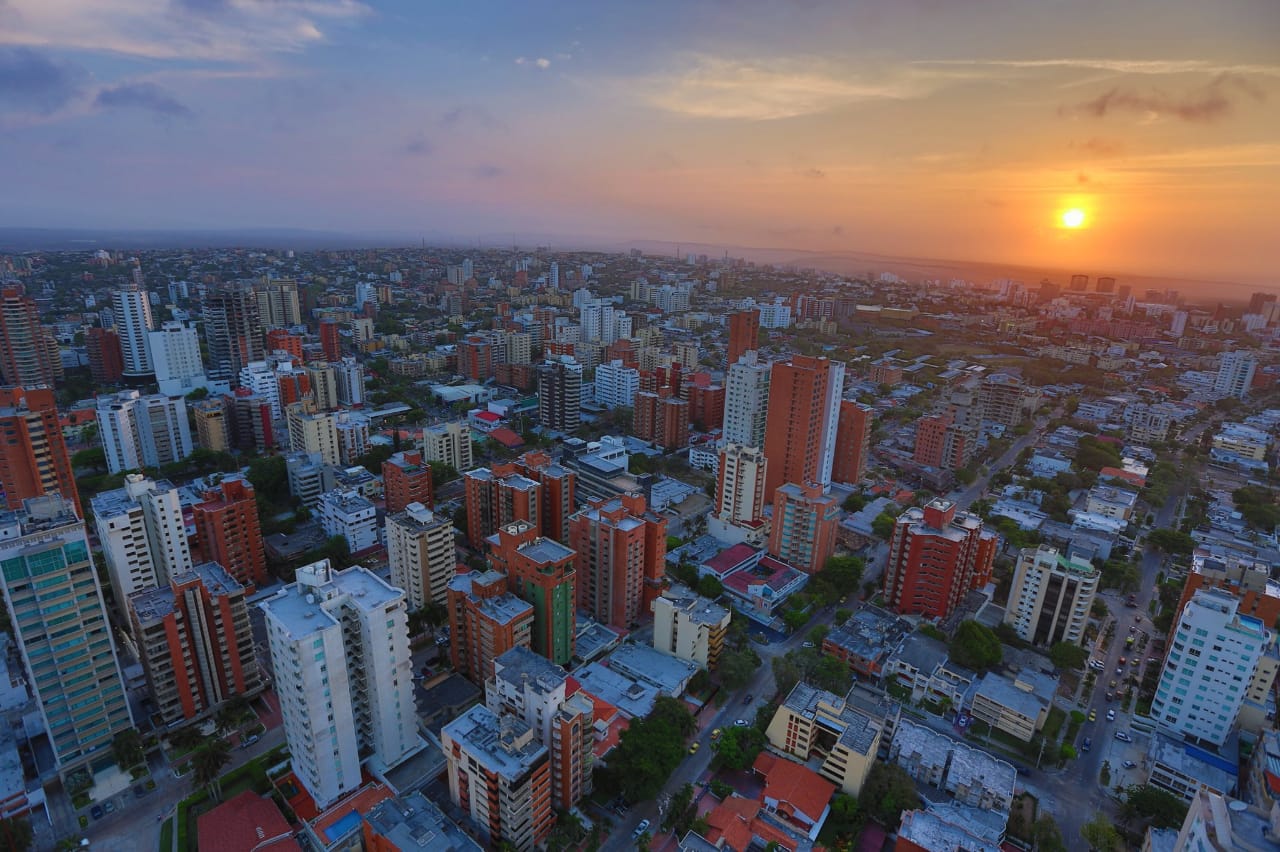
(913, 128)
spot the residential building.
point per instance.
(1215, 823)
(744, 333)
(930, 830)
(1018, 705)
(28, 350)
(805, 522)
(616, 385)
(866, 640)
(846, 738)
(314, 432)
(195, 642)
(259, 378)
(1051, 597)
(228, 531)
(1241, 441)
(557, 492)
(175, 357)
(1004, 399)
(278, 305)
(475, 358)
(132, 309)
(537, 691)
(420, 551)
(448, 443)
(330, 340)
(541, 571)
(485, 621)
(33, 459)
(689, 626)
(60, 625)
(406, 479)
(1248, 580)
(500, 776)
(706, 405)
(943, 442)
(324, 385)
(142, 533)
(661, 419)
(1117, 503)
(559, 394)
(1235, 373)
(740, 485)
(746, 401)
(251, 425)
(143, 431)
(352, 428)
(306, 477)
(413, 823)
(1213, 654)
(280, 340)
(622, 552)
(802, 422)
(936, 555)
(1184, 769)
(344, 674)
(351, 515)
(106, 359)
(233, 330)
(921, 664)
(853, 442)
(496, 496)
(211, 424)
(974, 778)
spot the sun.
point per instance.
(1073, 218)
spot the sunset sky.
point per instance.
(918, 127)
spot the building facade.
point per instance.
(229, 532)
(543, 572)
(936, 555)
(1051, 597)
(420, 551)
(621, 552)
(802, 421)
(485, 622)
(805, 521)
(689, 626)
(33, 458)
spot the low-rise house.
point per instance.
(866, 640)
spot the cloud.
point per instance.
(419, 146)
(144, 96)
(464, 115)
(542, 62)
(1099, 147)
(31, 81)
(1082, 178)
(488, 171)
(710, 87)
(1123, 66)
(814, 173)
(1211, 103)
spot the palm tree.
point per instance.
(208, 762)
(185, 739)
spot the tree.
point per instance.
(1047, 836)
(432, 614)
(233, 713)
(127, 750)
(269, 476)
(854, 502)
(1161, 807)
(1067, 655)
(882, 525)
(736, 668)
(738, 747)
(1101, 835)
(887, 792)
(976, 647)
(648, 751)
(1173, 542)
(794, 619)
(207, 763)
(372, 460)
(94, 458)
(844, 821)
(709, 586)
(16, 834)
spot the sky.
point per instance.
(926, 128)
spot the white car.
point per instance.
(641, 828)
(741, 723)
(1111, 715)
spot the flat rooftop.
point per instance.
(503, 745)
(643, 663)
(302, 610)
(518, 663)
(545, 551)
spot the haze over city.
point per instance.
(921, 129)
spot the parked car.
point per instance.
(641, 828)
(715, 735)
(1123, 736)
(1093, 715)
(96, 811)
(1111, 715)
(109, 806)
(741, 723)
(1129, 764)
(746, 699)
(807, 644)
(1086, 745)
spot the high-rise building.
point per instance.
(622, 550)
(348, 513)
(706, 406)
(229, 532)
(746, 401)
(661, 419)
(280, 340)
(448, 443)
(420, 553)
(536, 691)
(688, 626)
(324, 385)
(350, 379)
(557, 492)
(211, 423)
(406, 479)
(259, 378)
(475, 358)
(343, 670)
(803, 419)
(744, 333)
(740, 485)
(496, 496)
(132, 307)
(278, 303)
(560, 394)
(33, 457)
(803, 533)
(1051, 596)
(1004, 399)
(28, 350)
(542, 572)
(313, 432)
(616, 385)
(250, 425)
(143, 431)
(853, 442)
(142, 533)
(943, 442)
(233, 330)
(936, 556)
(500, 777)
(195, 642)
(330, 340)
(1213, 654)
(61, 629)
(485, 621)
(1235, 373)
(175, 355)
(106, 359)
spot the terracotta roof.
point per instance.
(724, 561)
(487, 416)
(245, 823)
(796, 788)
(730, 822)
(361, 802)
(507, 437)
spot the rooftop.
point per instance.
(545, 551)
(928, 830)
(245, 823)
(859, 729)
(1193, 762)
(788, 782)
(504, 745)
(304, 609)
(504, 608)
(347, 502)
(520, 663)
(632, 697)
(413, 822)
(1003, 691)
(642, 663)
(697, 608)
(152, 605)
(725, 561)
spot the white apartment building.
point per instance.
(1147, 423)
(740, 495)
(314, 433)
(350, 515)
(616, 385)
(352, 429)
(420, 553)
(349, 376)
(517, 347)
(1051, 596)
(1235, 373)
(448, 443)
(1240, 439)
(1211, 662)
(143, 537)
(133, 322)
(175, 354)
(689, 626)
(260, 377)
(143, 431)
(746, 398)
(340, 652)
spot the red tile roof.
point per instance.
(507, 437)
(245, 823)
(797, 789)
(725, 561)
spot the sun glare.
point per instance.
(1073, 218)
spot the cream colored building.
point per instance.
(1017, 706)
(813, 721)
(420, 553)
(449, 443)
(324, 384)
(313, 433)
(1051, 596)
(689, 626)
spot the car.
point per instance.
(1111, 696)
(1113, 684)
(1129, 641)
(715, 735)
(1093, 715)
(1086, 745)
(96, 811)
(1124, 737)
(109, 806)
(807, 644)
(1119, 670)
(1122, 661)
(746, 699)
(641, 828)
(1132, 628)
(1129, 764)
(741, 723)
(1097, 665)
(1111, 715)
(139, 791)
(694, 746)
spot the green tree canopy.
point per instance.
(1067, 655)
(1047, 836)
(1101, 835)
(1174, 542)
(738, 747)
(16, 834)
(976, 647)
(649, 751)
(269, 476)
(1162, 808)
(736, 667)
(882, 525)
(887, 792)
